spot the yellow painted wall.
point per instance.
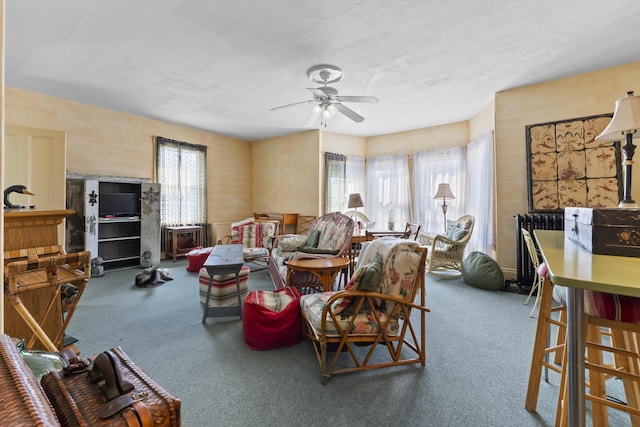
(483, 121)
(110, 143)
(572, 97)
(286, 174)
(339, 143)
(433, 138)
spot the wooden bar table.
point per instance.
(576, 268)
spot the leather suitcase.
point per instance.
(80, 399)
(22, 402)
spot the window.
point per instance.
(181, 171)
(431, 168)
(388, 197)
(334, 189)
(343, 175)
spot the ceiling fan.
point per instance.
(326, 99)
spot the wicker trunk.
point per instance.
(79, 402)
(23, 401)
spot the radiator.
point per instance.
(532, 221)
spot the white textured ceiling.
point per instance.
(221, 65)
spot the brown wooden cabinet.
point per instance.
(284, 219)
(35, 267)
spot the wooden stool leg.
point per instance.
(562, 413)
(539, 346)
(599, 412)
(628, 363)
(561, 337)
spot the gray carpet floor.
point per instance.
(478, 357)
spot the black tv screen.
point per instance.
(118, 204)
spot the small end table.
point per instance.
(324, 269)
(224, 259)
(172, 234)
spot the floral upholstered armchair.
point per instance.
(329, 236)
(375, 310)
(446, 251)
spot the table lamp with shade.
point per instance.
(624, 124)
(444, 193)
(355, 202)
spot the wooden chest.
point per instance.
(604, 231)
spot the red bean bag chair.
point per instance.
(271, 319)
(197, 258)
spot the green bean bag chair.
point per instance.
(481, 271)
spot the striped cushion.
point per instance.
(223, 288)
(619, 308)
(274, 301)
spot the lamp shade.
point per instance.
(355, 201)
(444, 192)
(625, 118)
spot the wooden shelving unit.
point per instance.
(120, 238)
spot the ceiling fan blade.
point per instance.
(317, 92)
(367, 99)
(311, 120)
(291, 105)
(349, 113)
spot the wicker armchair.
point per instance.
(446, 252)
(333, 232)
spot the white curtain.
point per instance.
(480, 193)
(355, 181)
(182, 173)
(431, 168)
(388, 200)
(344, 175)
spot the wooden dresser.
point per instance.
(283, 219)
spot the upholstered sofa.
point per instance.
(329, 236)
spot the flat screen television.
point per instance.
(118, 204)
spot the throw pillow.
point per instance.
(312, 239)
(186, 242)
(290, 244)
(372, 275)
(458, 233)
(309, 250)
(481, 271)
(366, 278)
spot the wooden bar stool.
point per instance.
(548, 316)
(623, 362)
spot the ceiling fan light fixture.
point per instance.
(327, 100)
(324, 74)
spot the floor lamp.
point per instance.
(444, 193)
(625, 123)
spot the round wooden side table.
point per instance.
(325, 269)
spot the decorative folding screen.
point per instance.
(567, 167)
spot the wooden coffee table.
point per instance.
(324, 269)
